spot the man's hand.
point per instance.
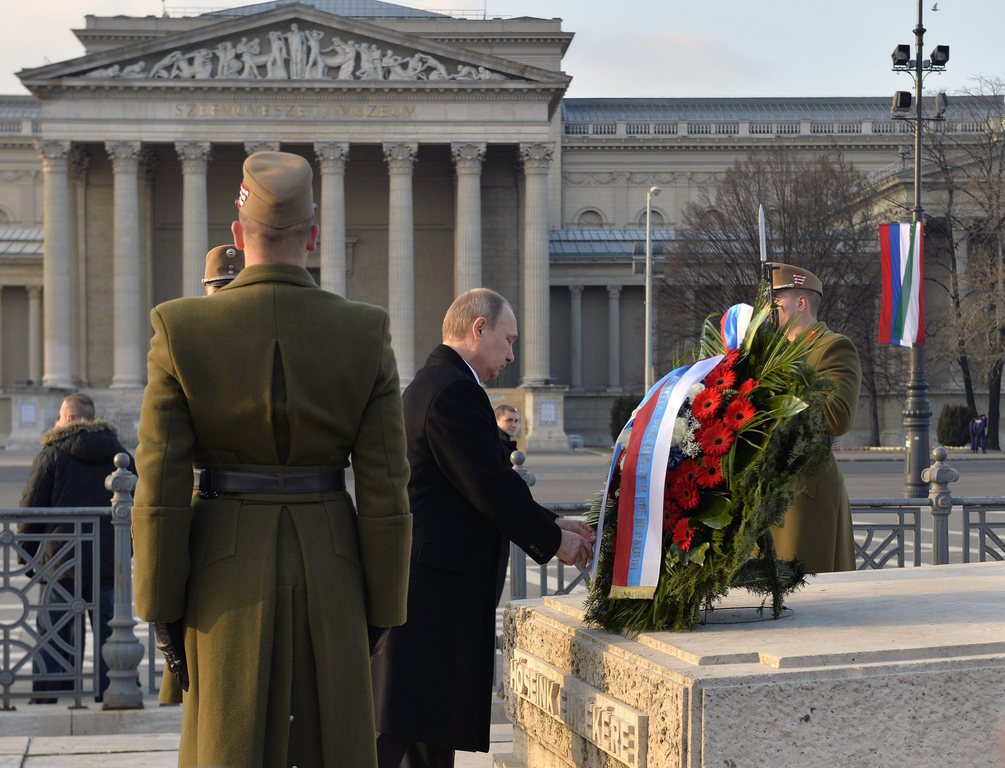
(568, 524)
(574, 550)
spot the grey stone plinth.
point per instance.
(878, 668)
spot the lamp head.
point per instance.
(901, 55)
(941, 104)
(902, 101)
(653, 191)
(940, 55)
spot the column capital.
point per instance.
(194, 155)
(55, 155)
(536, 157)
(251, 147)
(614, 291)
(125, 155)
(400, 157)
(468, 156)
(34, 292)
(576, 292)
(332, 155)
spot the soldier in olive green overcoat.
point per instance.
(271, 387)
(817, 528)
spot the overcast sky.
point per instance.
(663, 48)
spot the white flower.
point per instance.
(696, 389)
(679, 430)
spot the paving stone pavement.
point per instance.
(153, 750)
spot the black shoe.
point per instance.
(41, 701)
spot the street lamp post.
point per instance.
(650, 194)
(917, 410)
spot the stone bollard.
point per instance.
(517, 458)
(939, 476)
(517, 557)
(122, 651)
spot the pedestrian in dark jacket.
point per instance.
(70, 471)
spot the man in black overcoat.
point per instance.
(433, 675)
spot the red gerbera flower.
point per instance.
(688, 470)
(731, 359)
(721, 377)
(747, 387)
(710, 475)
(715, 439)
(739, 412)
(685, 493)
(706, 404)
(671, 516)
(683, 534)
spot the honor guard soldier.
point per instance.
(817, 528)
(271, 388)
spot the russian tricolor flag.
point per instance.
(902, 312)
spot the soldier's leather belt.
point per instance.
(213, 482)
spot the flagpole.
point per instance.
(917, 410)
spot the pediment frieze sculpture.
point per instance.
(294, 54)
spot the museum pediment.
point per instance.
(297, 44)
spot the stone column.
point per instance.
(56, 267)
(468, 224)
(194, 156)
(128, 344)
(576, 335)
(332, 157)
(534, 332)
(614, 338)
(401, 257)
(80, 164)
(35, 333)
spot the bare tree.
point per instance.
(819, 216)
(967, 195)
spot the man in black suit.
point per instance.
(433, 675)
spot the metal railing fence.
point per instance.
(43, 602)
(34, 585)
(888, 531)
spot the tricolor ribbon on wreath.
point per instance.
(638, 547)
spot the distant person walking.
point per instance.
(77, 456)
(979, 434)
(508, 422)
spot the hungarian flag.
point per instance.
(902, 312)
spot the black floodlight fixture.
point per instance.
(901, 55)
(941, 104)
(902, 101)
(939, 55)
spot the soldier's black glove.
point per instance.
(170, 640)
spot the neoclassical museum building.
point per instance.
(446, 156)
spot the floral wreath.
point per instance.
(703, 469)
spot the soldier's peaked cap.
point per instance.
(789, 276)
(222, 264)
(277, 190)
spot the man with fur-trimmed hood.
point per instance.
(70, 471)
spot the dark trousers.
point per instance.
(56, 656)
(395, 752)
